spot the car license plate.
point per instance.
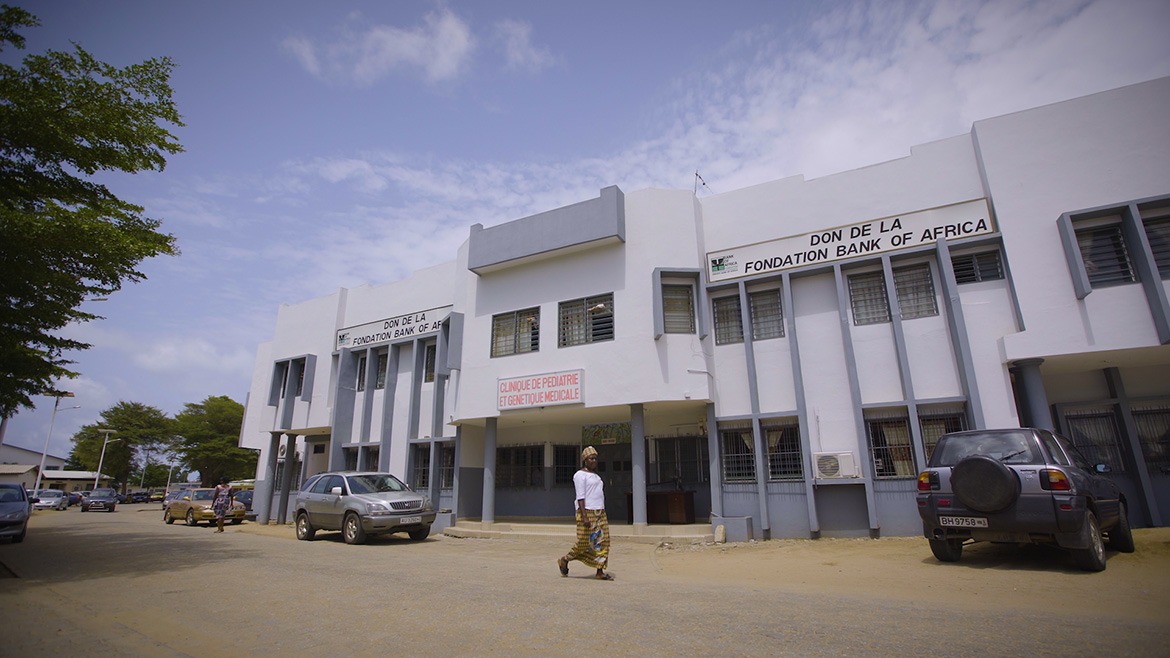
(410, 519)
(962, 521)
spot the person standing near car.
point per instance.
(592, 547)
(222, 501)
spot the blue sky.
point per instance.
(333, 144)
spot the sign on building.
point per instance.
(545, 390)
(383, 332)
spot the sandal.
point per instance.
(604, 576)
(564, 566)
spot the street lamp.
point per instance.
(63, 394)
(103, 457)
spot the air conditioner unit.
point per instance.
(834, 465)
(280, 451)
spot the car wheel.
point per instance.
(947, 550)
(1121, 537)
(111, 508)
(237, 521)
(420, 534)
(191, 518)
(84, 508)
(984, 484)
(352, 530)
(16, 539)
(305, 530)
(167, 518)
(1093, 557)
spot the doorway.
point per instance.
(615, 466)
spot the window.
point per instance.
(383, 360)
(678, 459)
(889, 442)
(516, 333)
(728, 327)
(767, 314)
(283, 378)
(1107, 261)
(973, 268)
(867, 296)
(1158, 233)
(915, 288)
(421, 466)
(361, 373)
(678, 309)
(351, 458)
(588, 320)
(936, 421)
(301, 379)
(447, 467)
(296, 475)
(429, 363)
(371, 460)
(1153, 429)
(565, 463)
(738, 447)
(520, 466)
(1094, 433)
(784, 455)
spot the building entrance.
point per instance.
(615, 466)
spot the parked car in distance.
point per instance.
(157, 496)
(140, 497)
(361, 504)
(50, 499)
(100, 499)
(1020, 486)
(194, 505)
(15, 508)
(170, 498)
(245, 497)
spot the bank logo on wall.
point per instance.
(724, 265)
(342, 340)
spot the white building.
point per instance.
(1014, 275)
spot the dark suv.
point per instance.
(1020, 486)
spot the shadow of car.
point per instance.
(15, 508)
(194, 505)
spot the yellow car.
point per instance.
(194, 505)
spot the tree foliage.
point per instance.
(209, 435)
(138, 428)
(64, 118)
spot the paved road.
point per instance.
(126, 584)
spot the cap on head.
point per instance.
(589, 450)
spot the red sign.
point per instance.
(540, 390)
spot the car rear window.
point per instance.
(1008, 447)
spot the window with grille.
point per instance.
(361, 373)
(1106, 258)
(1094, 433)
(867, 296)
(678, 309)
(785, 460)
(915, 288)
(516, 333)
(738, 447)
(588, 320)
(566, 462)
(380, 381)
(938, 421)
(520, 466)
(973, 268)
(679, 459)
(447, 467)
(371, 462)
(421, 466)
(728, 327)
(1153, 428)
(1158, 234)
(301, 379)
(429, 363)
(351, 456)
(282, 373)
(767, 314)
(296, 475)
(890, 446)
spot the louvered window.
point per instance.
(516, 333)
(973, 268)
(678, 309)
(588, 320)
(867, 295)
(361, 374)
(380, 382)
(728, 326)
(1158, 233)
(915, 291)
(429, 363)
(1106, 258)
(767, 314)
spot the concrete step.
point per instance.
(619, 533)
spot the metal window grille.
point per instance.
(738, 447)
(565, 463)
(973, 268)
(520, 466)
(296, 475)
(350, 455)
(890, 447)
(421, 467)
(784, 455)
(728, 325)
(429, 363)
(588, 320)
(1158, 234)
(516, 333)
(446, 467)
(1106, 259)
(1094, 433)
(383, 360)
(1153, 427)
(767, 314)
(915, 288)
(678, 309)
(301, 379)
(680, 459)
(867, 296)
(371, 459)
(938, 421)
(361, 374)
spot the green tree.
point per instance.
(137, 428)
(209, 436)
(64, 118)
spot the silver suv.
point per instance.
(361, 504)
(1020, 486)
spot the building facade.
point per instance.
(781, 357)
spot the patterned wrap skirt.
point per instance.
(584, 550)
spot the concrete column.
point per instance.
(433, 475)
(1035, 411)
(290, 458)
(713, 463)
(488, 515)
(263, 499)
(638, 454)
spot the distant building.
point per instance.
(10, 454)
(782, 357)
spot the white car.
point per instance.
(50, 499)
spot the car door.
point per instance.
(332, 506)
(1103, 491)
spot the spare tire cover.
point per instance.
(984, 484)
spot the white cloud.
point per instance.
(519, 53)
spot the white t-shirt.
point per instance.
(589, 489)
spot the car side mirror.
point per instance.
(34, 500)
(1103, 468)
(336, 491)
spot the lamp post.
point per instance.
(145, 463)
(53, 419)
(103, 457)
